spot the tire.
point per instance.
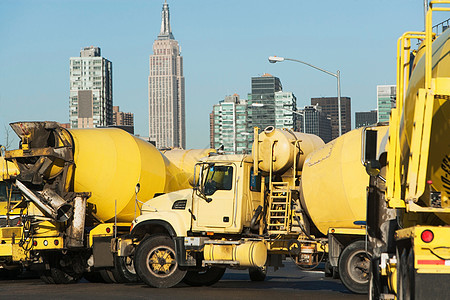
(93, 277)
(58, 276)
(401, 274)
(205, 278)
(124, 271)
(10, 274)
(107, 276)
(328, 269)
(334, 272)
(46, 277)
(354, 267)
(156, 263)
(62, 277)
(377, 284)
(257, 274)
(409, 283)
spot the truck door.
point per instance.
(219, 188)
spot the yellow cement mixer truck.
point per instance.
(79, 191)
(288, 199)
(408, 203)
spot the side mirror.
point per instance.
(373, 167)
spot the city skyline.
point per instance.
(220, 55)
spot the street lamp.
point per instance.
(274, 59)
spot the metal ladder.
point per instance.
(279, 207)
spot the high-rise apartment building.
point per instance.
(316, 121)
(263, 95)
(166, 95)
(365, 118)
(329, 106)
(91, 96)
(230, 125)
(386, 95)
(122, 118)
(285, 108)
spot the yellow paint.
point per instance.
(10, 232)
(334, 181)
(424, 251)
(419, 131)
(109, 164)
(101, 231)
(7, 169)
(282, 144)
(247, 254)
(48, 243)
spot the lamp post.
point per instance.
(274, 59)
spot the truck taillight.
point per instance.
(427, 236)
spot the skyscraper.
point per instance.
(166, 89)
(365, 118)
(91, 97)
(330, 107)
(386, 95)
(230, 125)
(317, 122)
(285, 104)
(263, 93)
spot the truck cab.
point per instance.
(225, 195)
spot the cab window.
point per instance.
(218, 178)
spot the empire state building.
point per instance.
(166, 89)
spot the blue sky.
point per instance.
(223, 43)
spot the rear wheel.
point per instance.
(335, 272)
(107, 276)
(93, 276)
(64, 269)
(156, 263)
(207, 277)
(409, 281)
(328, 269)
(257, 274)
(124, 271)
(354, 267)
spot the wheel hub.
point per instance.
(162, 262)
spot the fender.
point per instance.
(152, 226)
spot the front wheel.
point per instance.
(354, 267)
(206, 278)
(156, 263)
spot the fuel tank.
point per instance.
(287, 146)
(334, 181)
